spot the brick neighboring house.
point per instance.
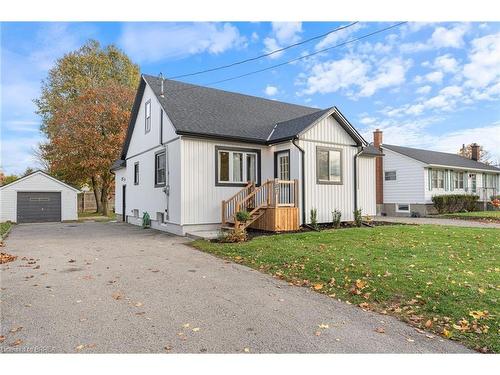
(407, 178)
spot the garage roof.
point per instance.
(44, 174)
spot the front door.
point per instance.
(282, 172)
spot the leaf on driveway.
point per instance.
(380, 330)
(17, 329)
(2, 338)
(246, 350)
(117, 295)
(138, 304)
(428, 324)
(71, 261)
(186, 325)
(167, 348)
(16, 343)
(323, 326)
(196, 329)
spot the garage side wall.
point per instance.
(37, 182)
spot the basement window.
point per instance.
(402, 207)
(236, 166)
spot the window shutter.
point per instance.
(452, 180)
(466, 180)
(446, 180)
(429, 179)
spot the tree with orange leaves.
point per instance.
(85, 107)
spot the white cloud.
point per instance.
(337, 36)
(283, 33)
(434, 77)
(352, 72)
(484, 66)
(17, 153)
(424, 90)
(271, 90)
(151, 42)
(453, 37)
(446, 63)
(367, 120)
(255, 37)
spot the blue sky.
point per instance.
(428, 85)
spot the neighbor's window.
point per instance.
(147, 111)
(160, 170)
(473, 182)
(390, 176)
(491, 181)
(458, 180)
(402, 207)
(328, 165)
(236, 166)
(136, 173)
(437, 179)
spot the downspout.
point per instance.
(356, 177)
(302, 180)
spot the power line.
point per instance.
(264, 55)
(293, 60)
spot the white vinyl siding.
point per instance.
(410, 185)
(366, 186)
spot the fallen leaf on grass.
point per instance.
(428, 324)
(364, 305)
(380, 330)
(478, 314)
(318, 286)
(16, 343)
(446, 333)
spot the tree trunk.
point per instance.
(97, 193)
(104, 196)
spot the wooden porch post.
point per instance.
(223, 212)
(276, 192)
(296, 192)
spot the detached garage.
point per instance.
(38, 198)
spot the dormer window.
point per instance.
(147, 111)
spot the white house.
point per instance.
(38, 197)
(408, 178)
(194, 156)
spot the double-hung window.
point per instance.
(147, 112)
(328, 165)
(473, 182)
(437, 179)
(458, 180)
(236, 166)
(160, 169)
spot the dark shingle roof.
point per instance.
(370, 150)
(202, 110)
(440, 158)
(294, 126)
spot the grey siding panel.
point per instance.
(37, 207)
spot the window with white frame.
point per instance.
(390, 175)
(147, 112)
(437, 179)
(458, 180)
(491, 181)
(402, 207)
(236, 166)
(473, 182)
(328, 165)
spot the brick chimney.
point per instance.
(379, 168)
(475, 152)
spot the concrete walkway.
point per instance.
(437, 221)
(117, 288)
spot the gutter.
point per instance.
(302, 180)
(356, 177)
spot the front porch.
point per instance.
(272, 206)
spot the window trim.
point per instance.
(403, 211)
(439, 172)
(136, 173)
(163, 151)
(389, 171)
(324, 182)
(146, 129)
(237, 149)
(276, 155)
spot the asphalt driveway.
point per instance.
(112, 287)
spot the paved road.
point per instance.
(438, 221)
(112, 287)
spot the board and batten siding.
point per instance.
(366, 186)
(327, 198)
(410, 185)
(37, 182)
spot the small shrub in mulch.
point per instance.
(5, 258)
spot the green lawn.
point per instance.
(442, 279)
(487, 215)
(4, 227)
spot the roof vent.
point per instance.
(161, 86)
